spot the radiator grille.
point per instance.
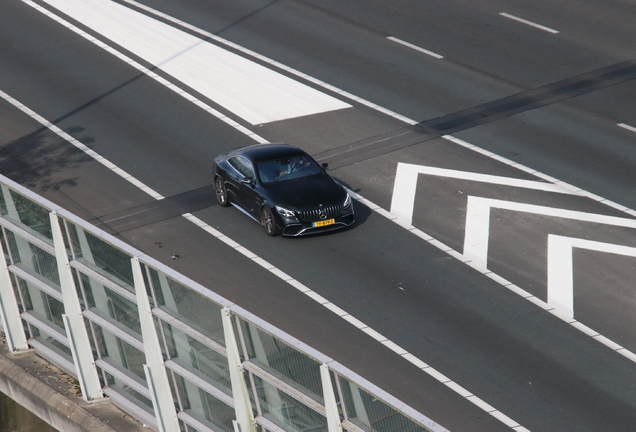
(314, 215)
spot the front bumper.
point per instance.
(295, 228)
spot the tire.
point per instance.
(221, 192)
(268, 221)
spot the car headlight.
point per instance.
(285, 213)
(347, 201)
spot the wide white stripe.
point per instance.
(251, 91)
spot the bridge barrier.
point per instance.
(165, 349)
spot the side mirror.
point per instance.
(325, 166)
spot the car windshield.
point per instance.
(287, 169)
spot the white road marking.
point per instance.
(478, 223)
(274, 63)
(404, 188)
(560, 291)
(628, 127)
(415, 47)
(561, 269)
(224, 118)
(111, 166)
(530, 23)
(251, 91)
(575, 189)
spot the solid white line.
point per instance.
(123, 174)
(415, 47)
(530, 23)
(628, 127)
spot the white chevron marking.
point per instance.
(404, 188)
(478, 223)
(561, 271)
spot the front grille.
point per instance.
(314, 215)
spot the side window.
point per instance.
(243, 166)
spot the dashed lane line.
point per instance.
(628, 127)
(530, 23)
(415, 47)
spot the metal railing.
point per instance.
(167, 350)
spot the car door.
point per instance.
(243, 184)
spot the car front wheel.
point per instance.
(221, 192)
(268, 221)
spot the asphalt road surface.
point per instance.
(491, 146)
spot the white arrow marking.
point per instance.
(404, 188)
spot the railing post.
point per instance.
(154, 368)
(16, 339)
(242, 405)
(333, 417)
(74, 320)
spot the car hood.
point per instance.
(307, 193)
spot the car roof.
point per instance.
(264, 152)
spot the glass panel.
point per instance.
(188, 306)
(101, 256)
(31, 258)
(287, 363)
(373, 415)
(287, 412)
(41, 304)
(205, 407)
(119, 353)
(130, 394)
(52, 343)
(192, 354)
(108, 304)
(23, 211)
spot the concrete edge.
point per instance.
(55, 397)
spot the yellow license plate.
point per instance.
(325, 222)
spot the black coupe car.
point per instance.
(283, 188)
